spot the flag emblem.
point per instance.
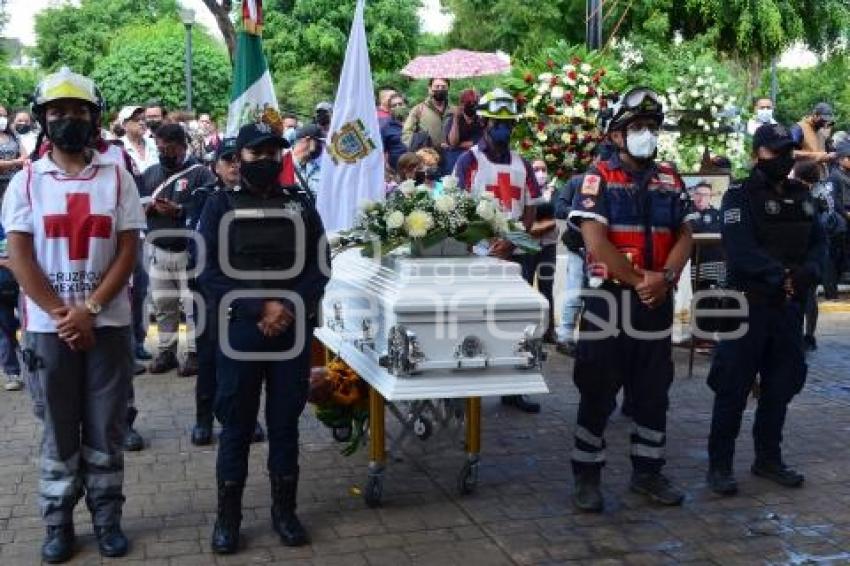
(350, 143)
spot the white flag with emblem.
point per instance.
(353, 160)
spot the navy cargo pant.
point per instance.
(771, 347)
(205, 385)
(240, 383)
(622, 342)
(82, 399)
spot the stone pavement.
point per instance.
(520, 513)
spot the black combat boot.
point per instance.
(58, 545)
(721, 481)
(225, 537)
(657, 487)
(588, 495)
(521, 402)
(111, 541)
(284, 520)
(133, 441)
(776, 471)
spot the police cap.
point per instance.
(774, 137)
(226, 148)
(252, 135)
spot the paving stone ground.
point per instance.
(520, 513)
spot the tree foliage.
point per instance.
(78, 36)
(801, 89)
(16, 86)
(300, 33)
(146, 62)
(220, 9)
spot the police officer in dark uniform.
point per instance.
(225, 165)
(633, 219)
(774, 248)
(267, 264)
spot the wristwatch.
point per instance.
(670, 276)
(93, 308)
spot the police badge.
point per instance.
(772, 207)
(350, 143)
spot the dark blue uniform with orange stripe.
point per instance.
(621, 341)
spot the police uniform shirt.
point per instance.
(758, 227)
(706, 221)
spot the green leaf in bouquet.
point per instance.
(523, 241)
(475, 232)
(433, 238)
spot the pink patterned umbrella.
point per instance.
(457, 64)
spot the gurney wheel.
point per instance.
(374, 491)
(341, 433)
(422, 428)
(467, 480)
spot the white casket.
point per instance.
(447, 327)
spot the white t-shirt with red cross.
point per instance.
(506, 182)
(75, 222)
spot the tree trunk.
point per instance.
(221, 12)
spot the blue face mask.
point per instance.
(500, 133)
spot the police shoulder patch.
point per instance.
(732, 216)
(588, 203)
(590, 185)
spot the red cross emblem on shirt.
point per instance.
(79, 225)
(504, 191)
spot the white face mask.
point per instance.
(764, 115)
(642, 143)
(541, 177)
(4, 122)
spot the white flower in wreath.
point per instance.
(568, 68)
(594, 104)
(486, 210)
(418, 223)
(586, 68)
(394, 220)
(709, 70)
(536, 100)
(408, 187)
(582, 90)
(700, 122)
(565, 137)
(543, 88)
(423, 188)
(557, 92)
(698, 106)
(445, 203)
(578, 111)
(545, 77)
(716, 125)
(500, 224)
(700, 81)
(542, 137)
(450, 182)
(695, 93)
(568, 81)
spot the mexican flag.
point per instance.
(253, 91)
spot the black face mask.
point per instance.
(23, 129)
(153, 125)
(260, 174)
(440, 96)
(419, 177)
(778, 168)
(170, 162)
(70, 134)
(323, 119)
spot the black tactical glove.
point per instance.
(802, 281)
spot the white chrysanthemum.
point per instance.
(418, 223)
(557, 92)
(499, 224)
(545, 77)
(449, 182)
(541, 136)
(586, 68)
(408, 187)
(395, 220)
(568, 68)
(486, 209)
(582, 90)
(445, 203)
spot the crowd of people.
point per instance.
(101, 228)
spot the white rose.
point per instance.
(408, 187)
(394, 220)
(545, 77)
(543, 88)
(594, 103)
(445, 204)
(485, 210)
(586, 68)
(568, 68)
(558, 92)
(582, 90)
(449, 182)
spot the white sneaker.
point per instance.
(13, 383)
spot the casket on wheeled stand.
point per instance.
(434, 328)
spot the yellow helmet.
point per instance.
(498, 105)
(66, 84)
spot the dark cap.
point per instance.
(824, 110)
(252, 135)
(309, 131)
(775, 137)
(226, 148)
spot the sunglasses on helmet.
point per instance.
(641, 99)
(499, 105)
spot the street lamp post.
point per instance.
(187, 16)
(593, 25)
